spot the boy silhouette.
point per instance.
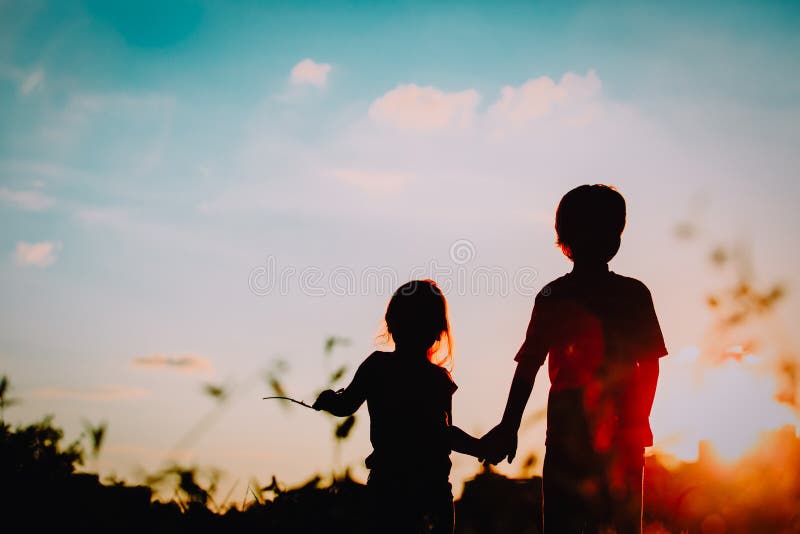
(603, 340)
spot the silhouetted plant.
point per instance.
(274, 378)
(342, 428)
(740, 304)
(529, 464)
(34, 452)
(273, 486)
(275, 374)
(741, 301)
(96, 435)
(338, 374)
(216, 392)
(183, 481)
(255, 489)
(5, 402)
(332, 342)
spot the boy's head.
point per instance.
(589, 223)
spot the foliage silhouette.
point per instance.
(96, 434)
(760, 493)
(5, 402)
(740, 306)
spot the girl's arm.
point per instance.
(460, 441)
(348, 400)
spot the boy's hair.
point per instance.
(589, 223)
(416, 317)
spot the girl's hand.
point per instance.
(325, 400)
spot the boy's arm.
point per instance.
(348, 400)
(520, 392)
(652, 348)
(648, 380)
(501, 441)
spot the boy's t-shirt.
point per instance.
(409, 401)
(596, 327)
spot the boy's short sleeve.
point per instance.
(537, 343)
(650, 339)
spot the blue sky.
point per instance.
(152, 156)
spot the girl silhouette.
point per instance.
(409, 397)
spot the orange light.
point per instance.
(728, 404)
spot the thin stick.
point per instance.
(301, 403)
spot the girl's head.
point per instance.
(416, 320)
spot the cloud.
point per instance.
(36, 254)
(105, 216)
(184, 363)
(26, 81)
(100, 394)
(308, 72)
(424, 108)
(31, 82)
(43, 169)
(376, 182)
(539, 97)
(29, 200)
(84, 115)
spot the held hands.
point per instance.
(499, 443)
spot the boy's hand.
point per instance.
(325, 400)
(499, 443)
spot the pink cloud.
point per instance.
(539, 97)
(36, 254)
(425, 108)
(184, 363)
(308, 72)
(100, 394)
(376, 182)
(29, 200)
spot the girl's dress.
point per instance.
(409, 401)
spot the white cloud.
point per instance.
(84, 114)
(309, 72)
(539, 97)
(424, 108)
(31, 82)
(102, 393)
(26, 81)
(42, 169)
(29, 200)
(113, 216)
(36, 254)
(376, 182)
(184, 363)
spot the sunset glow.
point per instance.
(738, 405)
(206, 203)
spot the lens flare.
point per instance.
(728, 405)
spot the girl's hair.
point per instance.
(416, 318)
